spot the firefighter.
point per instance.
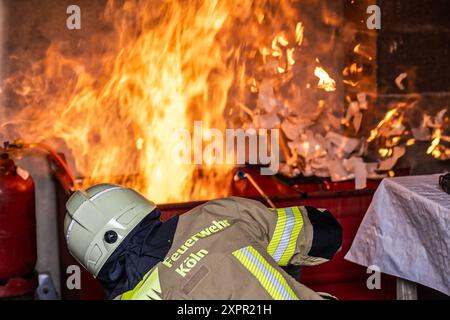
(230, 248)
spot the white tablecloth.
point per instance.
(406, 232)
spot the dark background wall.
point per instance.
(415, 38)
(31, 25)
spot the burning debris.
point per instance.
(229, 64)
(437, 125)
(325, 81)
(317, 137)
(399, 80)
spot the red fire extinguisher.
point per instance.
(17, 230)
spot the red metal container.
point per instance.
(17, 230)
(339, 277)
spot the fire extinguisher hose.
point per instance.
(58, 160)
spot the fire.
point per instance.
(167, 64)
(299, 31)
(386, 120)
(118, 111)
(436, 149)
(354, 68)
(325, 81)
(290, 56)
(385, 152)
(163, 66)
(435, 143)
(359, 49)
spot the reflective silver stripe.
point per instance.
(284, 242)
(69, 229)
(268, 274)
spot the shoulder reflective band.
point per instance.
(149, 288)
(270, 278)
(284, 239)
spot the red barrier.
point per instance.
(338, 277)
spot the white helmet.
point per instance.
(98, 220)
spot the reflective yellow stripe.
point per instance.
(284, 239)
(278, 233)
(268, 286)
(129, 294)
(148, 288)
(277, 274)
(269, 278)
(298, 224)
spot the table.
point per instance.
(406, 233)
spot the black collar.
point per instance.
(146, 245)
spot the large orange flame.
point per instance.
(161, 69)
(164, 65)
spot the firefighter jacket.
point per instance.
(235, 248)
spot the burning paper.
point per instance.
(325, 81)
(399, 80)
(357, 166)
(266, 97)
(353, 114)
(338, 172)
(342, 146)
(227, 63)
(389, 163)
(431, 129)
